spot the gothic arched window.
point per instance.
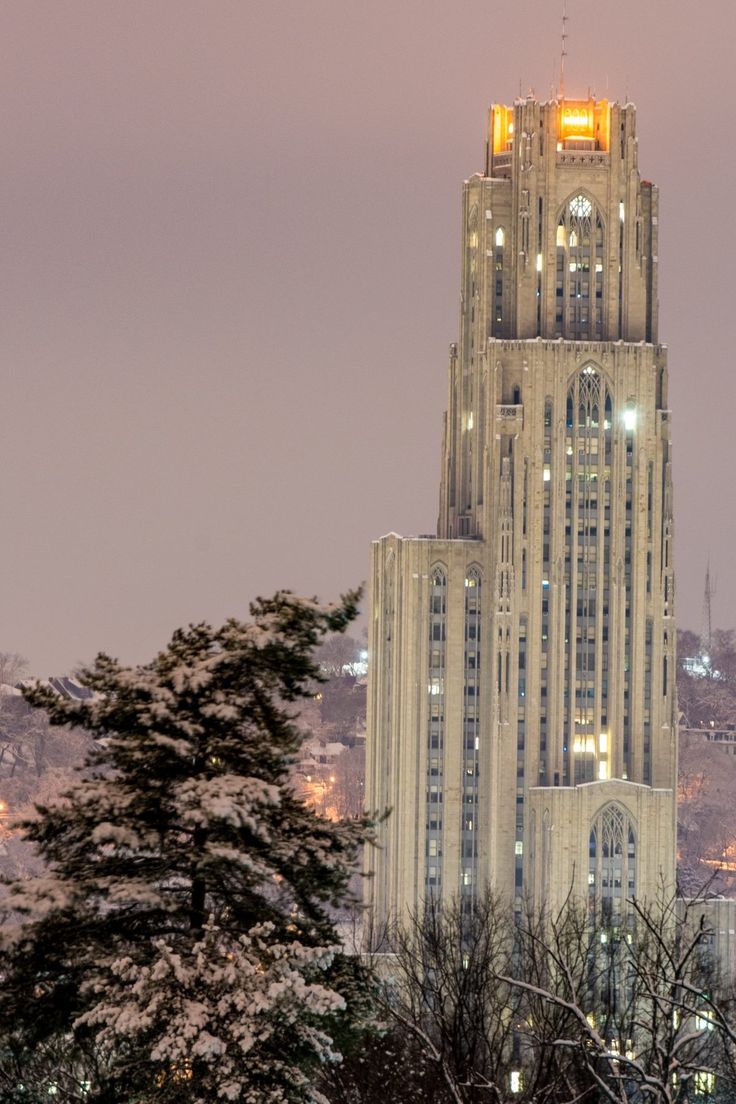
(611, 863)
(579, 275)
(588, 444)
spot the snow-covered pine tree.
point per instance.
(180, 946)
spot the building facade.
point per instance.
(522, 712)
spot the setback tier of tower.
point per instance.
(522, 708)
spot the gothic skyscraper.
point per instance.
(522, 715)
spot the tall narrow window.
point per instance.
(471, 739)
(497, 320)
(579, 271)
(435, 729)
(588, 444)
(611, 866)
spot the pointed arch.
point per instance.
(580, 268)
(588, 450)
(612, 861)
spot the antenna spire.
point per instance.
(563, 49)
(708, 595)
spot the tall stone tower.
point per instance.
(522, 713)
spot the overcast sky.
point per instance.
(230, 273)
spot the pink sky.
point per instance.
(230, 272)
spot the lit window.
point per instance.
(500, 237)
(603, 743)
(519, 848)
(539, 262)
(546, 473)
(704, 1081)
(580, 206)
(621, 210)
(603, 771)
(629, 418)
(515, 1082)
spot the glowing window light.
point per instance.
(580, 207)
(539, 262)
(705, 1081)
(500, 237)
(629, 419)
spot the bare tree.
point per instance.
(13, 667)
(446, 1004)
(637, 999)
(481, 1004)
(347, 794)
(339, 655)
(706, 814)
